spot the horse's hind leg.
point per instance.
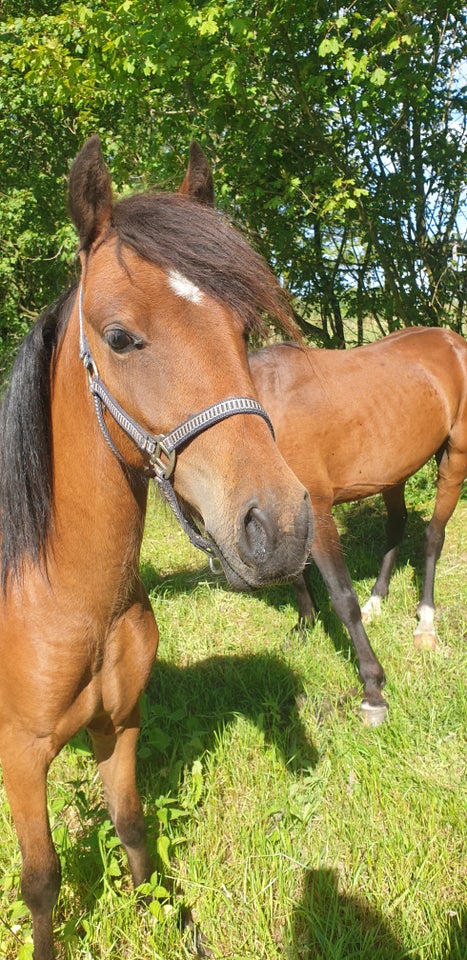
(452, 471)
(307, 609)
(395, 526)
(25, 778)
(327, 554)
(115, 753)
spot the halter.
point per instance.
(159, 446)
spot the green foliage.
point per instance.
(337, 135)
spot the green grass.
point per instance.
(290, 829)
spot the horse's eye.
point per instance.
(120, 341)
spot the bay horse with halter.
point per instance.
(152, 337)
(358, 422)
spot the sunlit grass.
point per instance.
(290, 829)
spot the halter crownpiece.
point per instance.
(160, 448)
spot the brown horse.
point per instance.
(155, 332)
(359, 422)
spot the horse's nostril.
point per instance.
(257, 535)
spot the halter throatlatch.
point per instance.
(161, 449)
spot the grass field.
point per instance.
(290, 829)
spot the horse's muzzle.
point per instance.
(266, 553)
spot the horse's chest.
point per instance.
(65, 672)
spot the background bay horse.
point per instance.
(355, 423)
(154, 333)
(358, 422)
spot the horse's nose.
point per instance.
(260, 540)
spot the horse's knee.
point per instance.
(131, 829)
(40, 883)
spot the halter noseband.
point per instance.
(160, 445)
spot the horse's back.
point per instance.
(354, 422)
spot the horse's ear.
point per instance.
(198, 184)
(90, 193)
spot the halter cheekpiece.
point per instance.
(161, 449)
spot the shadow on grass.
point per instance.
(193, 704)
(363, 538)
(328, 925)
(457, 939)
(185, 711)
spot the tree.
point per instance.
(337, 138)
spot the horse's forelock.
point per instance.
(199, 243)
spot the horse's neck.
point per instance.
(98, 509)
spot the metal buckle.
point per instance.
(215, 566)
(163, 470)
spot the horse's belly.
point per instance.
(366, 477)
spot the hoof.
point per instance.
(424, 636)
(372, 608)
(425, 640)
(374, 715)
(195, 943)
(298, 633)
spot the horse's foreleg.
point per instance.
(115, 753)
(452, 469)
(395, 526)
(25, 778)
(327, 554)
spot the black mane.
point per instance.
(175, 233)
(25, 443)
